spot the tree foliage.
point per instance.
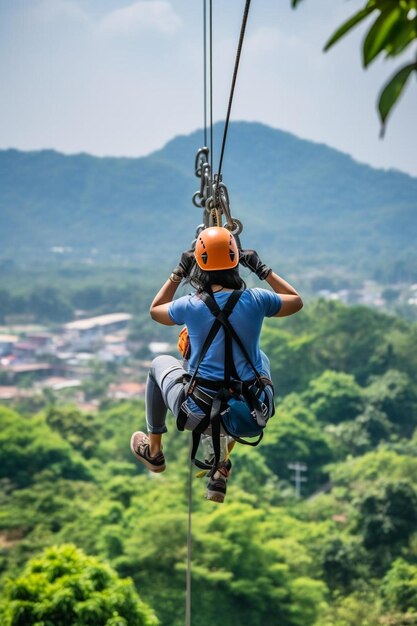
(23, 456)
(346, 408)
(65, 587)
(400, 586)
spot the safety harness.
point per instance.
(231, 388)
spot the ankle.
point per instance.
(155, 443)
(154, 450)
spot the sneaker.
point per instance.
(140, 446)
(217, 484)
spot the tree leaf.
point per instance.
(347, 26)
(379, 33)
(392, 91)
(402, 38)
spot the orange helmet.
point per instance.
(216, 249)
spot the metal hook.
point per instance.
(201, 158)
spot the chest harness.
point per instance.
(229, 389)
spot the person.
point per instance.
(213, 268)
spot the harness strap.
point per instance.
(221, 315)
(212, 407)
(229, 368)
(223, 319)
(212, 417)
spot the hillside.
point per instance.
(300, 202)
(343, 554)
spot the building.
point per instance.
(6, 344)
(88, 334)
(11, 393)
(19, 371)
(25, 352)
(42, 341)
(127, 390)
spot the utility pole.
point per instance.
(298, 478)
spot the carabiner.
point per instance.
(201, 158)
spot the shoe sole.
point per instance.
(215, 496)
(156, 469)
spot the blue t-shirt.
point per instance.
(246, 318)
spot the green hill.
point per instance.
(301, 202)
(342, 554)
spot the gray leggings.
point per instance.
(163, 392)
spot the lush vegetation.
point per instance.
(45, 295)
(64, 586)
(328, 211)
(344, 554)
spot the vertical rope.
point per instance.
(189, 548)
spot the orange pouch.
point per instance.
(183, 344)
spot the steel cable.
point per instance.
(232, 89)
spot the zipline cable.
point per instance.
(232, 89)
(189, 546)
(211, 85)
(205, 67)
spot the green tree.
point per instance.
(360, 435)
(359, 474)
(400, 586)
(294, 434)
(23, 456)
(387, 518)
(65, 587)
(80, 430)
(356, 609)
(393, 30)
(334, 397)
(48, 303)
(394, 394)
(292, 357)
(340, 563)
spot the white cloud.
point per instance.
(144, 15)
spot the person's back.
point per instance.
(247, 318)
(212, 269)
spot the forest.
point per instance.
(88, 537)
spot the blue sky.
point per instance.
(122, 77)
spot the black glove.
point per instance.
(185, 265)
(251, 260)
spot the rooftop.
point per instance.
(11, 392)
(126, 389)
(100, 320)
(9, 338)
(27, 367)
(25, 345)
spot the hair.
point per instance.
(230, 279)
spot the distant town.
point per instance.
(93, 359)
(64, 362)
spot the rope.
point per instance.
(232, 89)
(189, 546)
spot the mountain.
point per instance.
(300, 202)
